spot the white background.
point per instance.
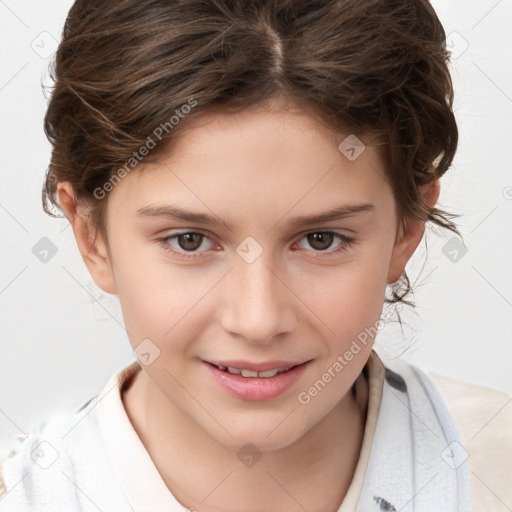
(61, 338)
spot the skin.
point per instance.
(256, 169)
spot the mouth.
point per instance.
(251, 374)
(252, 370)
(256, 381)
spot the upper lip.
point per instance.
(256, 367)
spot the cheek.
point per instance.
(159, 312)
(346, 299)
(157, 298)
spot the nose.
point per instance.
(257, 305)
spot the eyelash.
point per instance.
(344, 246)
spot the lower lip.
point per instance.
(254, 388)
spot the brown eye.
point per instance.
(188, 244)
(189, 241)
(318, 242)
(321, 240)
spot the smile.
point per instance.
(252, 374)
(256, 381)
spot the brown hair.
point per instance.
(126, 67)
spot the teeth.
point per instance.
(252, 374)
(248, 373)
(270, 373)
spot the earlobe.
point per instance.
(405, 248)
(94, 252)
(412, 234)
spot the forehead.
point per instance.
(260, 160)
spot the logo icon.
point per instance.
(454, 249)
(44, 250)
(44, 455)
(249, 250)
(44, 45)
(454, 455)
(146, 352)
(455, 44)
(352, 147)
(249, 455)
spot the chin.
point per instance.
(265, 433)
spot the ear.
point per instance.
(412, 234)
(94, 253)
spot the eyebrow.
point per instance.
(173, 213)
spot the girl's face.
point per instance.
(214, 260)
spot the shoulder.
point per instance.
(35, 466)
(483, 417)
(63, 464)
(41, 471)
(26, 464)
